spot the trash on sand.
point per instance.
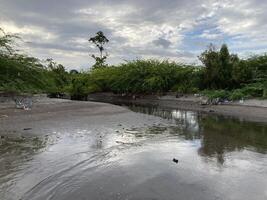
(175, 160)
(24, 103)
(26, 129)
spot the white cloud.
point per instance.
(27, 31)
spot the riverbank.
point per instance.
(76, 149)
(62, 113)
(249, 110)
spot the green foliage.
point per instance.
(21, 73)
(218, 67)
(247, 91)
(213, 94)
(143, 76)
(18, 74)
(237, 95)
(59, 75)
(253, 90)
(265, 90)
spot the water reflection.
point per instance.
(222, 135)
(16, 152)
(219, 158)
(218, 135)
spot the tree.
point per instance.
(210, 58)
(59, 74)
(218, 67)
(6, 41)
(99, 40)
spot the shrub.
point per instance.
(213, 94)
(236, 95)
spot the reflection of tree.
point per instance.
(186, 121)
(16, 151)
(152, 110)
(221, 135)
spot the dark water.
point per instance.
(218, 158)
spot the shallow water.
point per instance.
(218, 158)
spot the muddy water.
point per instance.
(216, 158)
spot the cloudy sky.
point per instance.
(174, 29)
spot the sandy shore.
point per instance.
(52, 115)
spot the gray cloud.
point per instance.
(162, 42)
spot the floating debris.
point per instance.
(26, 129)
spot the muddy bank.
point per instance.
(250, 110)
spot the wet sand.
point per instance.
(56, 135)
(48, 115)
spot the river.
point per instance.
(157, 154)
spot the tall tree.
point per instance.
(99, 40)
(210, 59)
(218, 67)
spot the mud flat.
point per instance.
(49, 115)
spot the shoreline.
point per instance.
(60, 110)
(247, 112)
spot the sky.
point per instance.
(178, 30)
